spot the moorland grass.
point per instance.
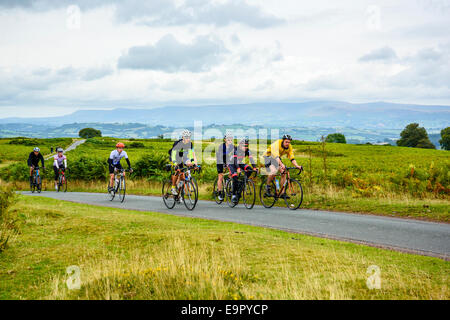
(124, 254)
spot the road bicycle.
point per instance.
(62, 180)
(36, 184)
(245, 188)
(187, 189)
(216, 191)
(119, 185)
(291, 191)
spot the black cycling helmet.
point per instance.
(287, 137)
(244, 141)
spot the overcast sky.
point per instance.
(60, 56)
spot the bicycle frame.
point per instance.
(287, 181)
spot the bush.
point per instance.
(88, 169)
(336, 138)
(136, 145)
(24, 141)
(89, 133)
(151, 166)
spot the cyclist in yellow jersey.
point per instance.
(272, 160)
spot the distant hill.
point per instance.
(377, 115)
(139, 130)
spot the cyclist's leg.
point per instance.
(272, 167)
(56, 170)
(31, 175)
(220, 176)
(111, 176)
(234, 175)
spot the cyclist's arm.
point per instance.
(65, 163)
(29, 161)
(251, 159)
(291, 157)
(128, 162)
(42, 160)
(55, 163)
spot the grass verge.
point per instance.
(125, 254)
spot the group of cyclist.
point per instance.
(59, 163)
(228, 157)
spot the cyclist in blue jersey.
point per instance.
(224, 156)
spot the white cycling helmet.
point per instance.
(59, 150)
(36, 149)
(228, 135)
(186, 134)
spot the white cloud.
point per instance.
(153, 53)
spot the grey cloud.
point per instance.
(327, 83)
(167, 12)
(169, 55)
(429, 67)
(97, 73)
(385, 54)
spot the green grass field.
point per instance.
(395, 181)
(134, 255)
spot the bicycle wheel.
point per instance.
(189, 195)
(229, 194)
(249, 194)
(267, 200)
(216, 192)
(38, 184)
(64, 183)
(294, 194)
(196, 188)
(33, 185)
(111, 194)
(168, 198)
(59, 183)
(122, 189)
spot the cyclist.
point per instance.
(114, 163)
(224, 156)
(273, 163)
(241, 152)
(182, 153)
(59, 162)
(33, 162)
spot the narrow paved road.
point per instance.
(426, 238)
(69, 148)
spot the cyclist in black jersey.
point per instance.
(241, 152)
(33, 162)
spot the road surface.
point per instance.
(420, 237)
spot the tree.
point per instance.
(445, 139)
(415, 137)
(336, 138)
(87, 133)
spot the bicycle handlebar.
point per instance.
(295, 168)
